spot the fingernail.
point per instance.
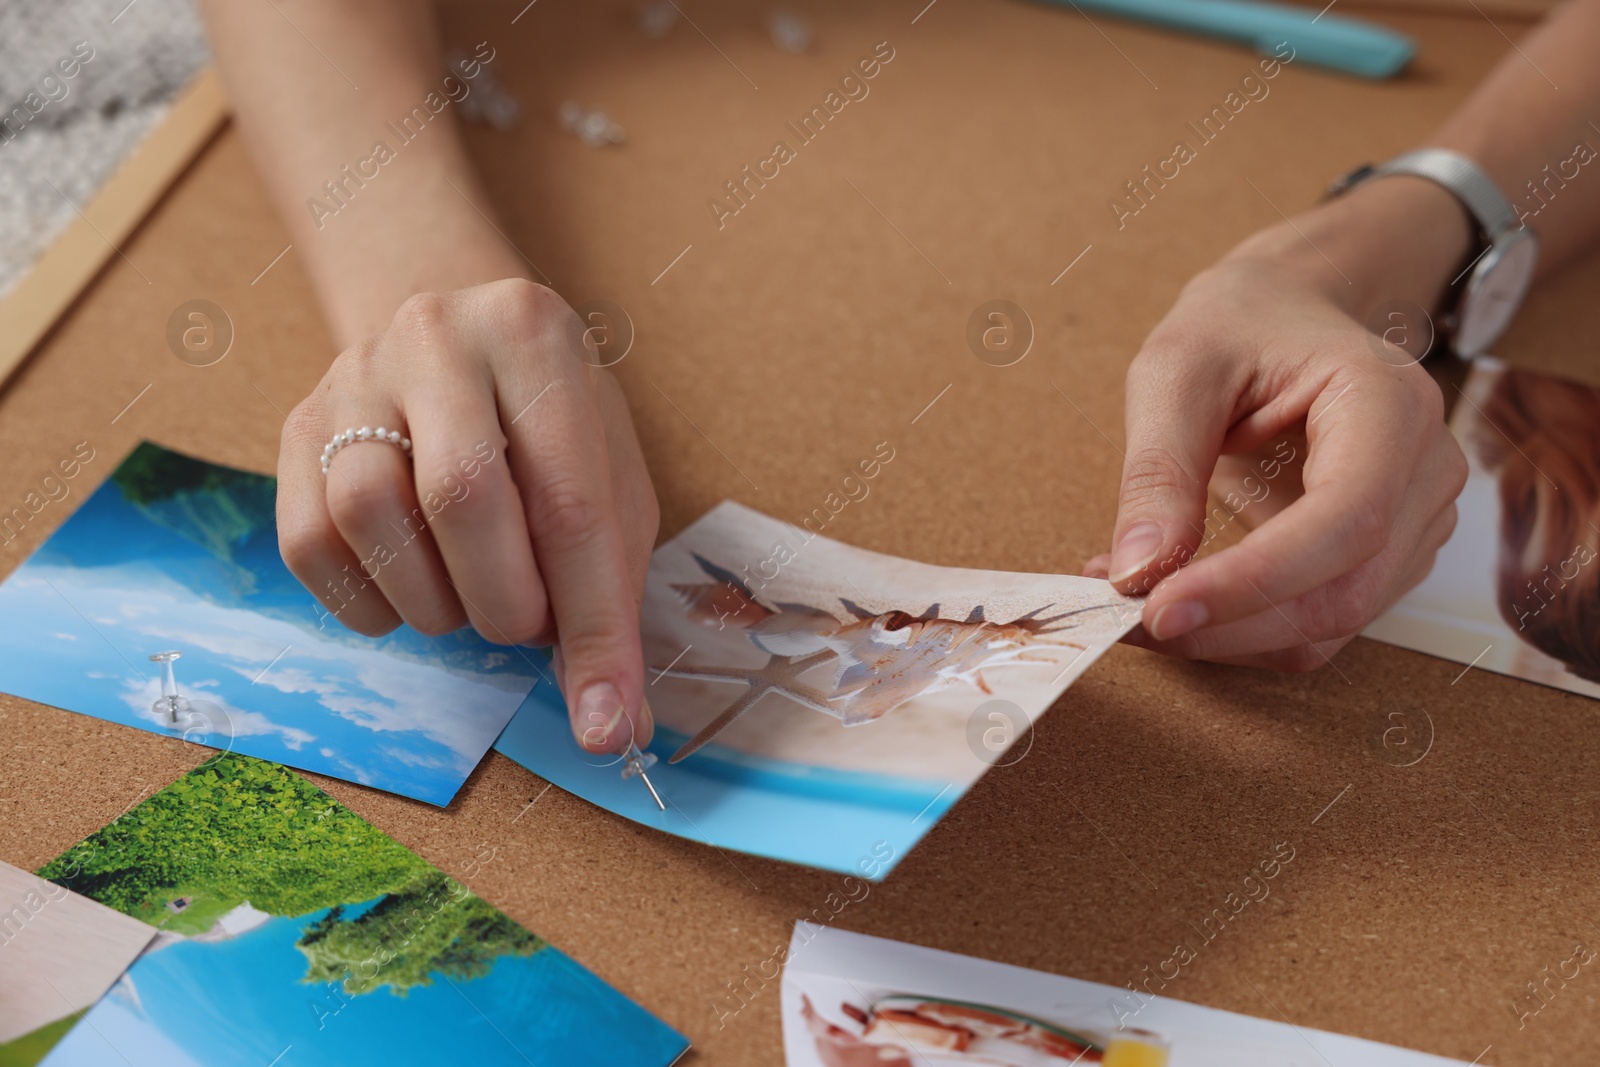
(1136, 551)
(647, 724)
(599, 713)
(1175, 620)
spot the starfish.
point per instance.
(780, 674)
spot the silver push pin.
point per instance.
(486, 102)
(790, 32)
(635, 763)
(170, 701)
(594, 128)
(655, 19)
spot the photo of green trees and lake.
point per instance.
(292, 928)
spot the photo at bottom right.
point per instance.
(1516, 590)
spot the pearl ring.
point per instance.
(365, 433)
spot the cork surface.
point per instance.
(827, 316)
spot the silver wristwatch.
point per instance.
(1498, 278)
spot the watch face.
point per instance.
(1495, 291)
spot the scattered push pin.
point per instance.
(594, 128)
(635, 763)
(492, 106)
(170, 702)
(487, 102)
(655, 19)
(789, 31)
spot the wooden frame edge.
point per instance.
(68, 266)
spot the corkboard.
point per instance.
(1421, 900)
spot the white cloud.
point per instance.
(214, 725)
(289, 680)
(223, 641)
(365, 685)
(412, 759)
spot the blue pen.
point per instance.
(1326, 40)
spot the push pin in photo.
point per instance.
(198, 721)
(170, 702)
(634, 764)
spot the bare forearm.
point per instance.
(338, 91)
(1405, 238)
(1531, 122)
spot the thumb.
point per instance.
(1176, 424)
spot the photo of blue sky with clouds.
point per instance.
(173, 553)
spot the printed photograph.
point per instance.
(163, 604)
(289, 931)
(824, 704)
(59, 952)
(1516, 589)
(901, 1031)
(850, 1000)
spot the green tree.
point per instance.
(241, 829)
(432, 926)
(152, 473)
(217, 508)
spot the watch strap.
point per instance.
(1462, 177)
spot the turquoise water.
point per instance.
(241, 1003)
(849, 821)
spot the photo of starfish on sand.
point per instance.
(826, 704)
(877, 661)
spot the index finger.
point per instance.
(563, 471)
(557, 451)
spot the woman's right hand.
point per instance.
(1270, 345)
(525, 508)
